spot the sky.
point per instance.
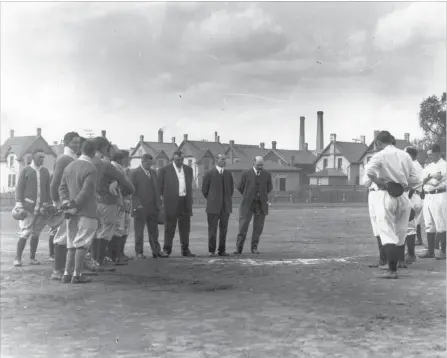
(246, 70)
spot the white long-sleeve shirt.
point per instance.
(392, 164)
(432, 169)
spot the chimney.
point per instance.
(274, 144)
(302, 133)
(407, 137)
(39, 132)
(173, 140)
(333, 137)
(11, 133)
(320, 131)
(185, 137)
(306, 147)
(216, 138)
(262, 145)
(141, 138)
(103, 133)
(231, 151)
(55, 142)
(363, 139)
(160, 135)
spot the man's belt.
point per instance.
(436, 191)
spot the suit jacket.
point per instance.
(169, 186)
(147, 191)
(247, 187)
(212, 190)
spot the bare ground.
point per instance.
(334, 306)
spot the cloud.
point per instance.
(422, 20)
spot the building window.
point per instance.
(339, 163)
(11, 180)
(282, 184)
(161, 163)
(324, 163)
(11, 161)
(368, 159)
(190, 162)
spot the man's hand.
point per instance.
(18, 205)
(437, 176)
(380, 183)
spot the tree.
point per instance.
(432, 119)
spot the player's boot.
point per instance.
(382, 255)
(102, 254)
(60, 255)
(442, 240)
(21, 243)
(69, 265)
(78, 267)
(392, 254)
(401, 257)
(430, 253)
(419, 236)
(34, 242)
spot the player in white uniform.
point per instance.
(417, 201)
(393, 172)
(373, 195)
(435, 203)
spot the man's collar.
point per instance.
(33, 165)
(219, 169)
(86, 158)
(175, 167)
(70, 152)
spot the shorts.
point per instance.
(107, 221)
(80, 231)
(32, 225)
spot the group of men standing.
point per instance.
(400, 193)
(98, 194)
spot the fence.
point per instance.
(307, 194)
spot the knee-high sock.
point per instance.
(34, 242)
(94, 249)
(51, 245)
(401, 253)
(382, 253)
(60, 257)
(437, 240)
(392, 256)
(442, 240)
(21, 243)
(431, 243)
(102, 244)
(79, 261)
(70, 263)
(411, 243)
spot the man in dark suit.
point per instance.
(176, 191)
(146, 205)
(218, 188)
(255, 185)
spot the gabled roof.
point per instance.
(328, 172)
(202, 154)
(20, 146)
(350, 150)
(154, 148)
(400, 144)
(300, 156)
(270, 166)
(247, 151)
(195, 148)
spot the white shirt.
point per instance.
(68, 151)
(419, 173)
(181, 180)
(368, 182)
(433, 168)
(219, 169)
(392, 164)
(39, 196)
(256, 172)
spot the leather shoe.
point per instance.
(188, 254)
(163, 255)
(223, 254)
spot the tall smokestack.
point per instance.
(39, 132)
(160, 135)
(11, 133)
(363, 139)
(103, 133)
(173, 140)
(407, 137)
(216, 138)
(320, 131)
(302, 132)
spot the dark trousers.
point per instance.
(152, 229)
(258, 226)
(215, 220)
(183, 220)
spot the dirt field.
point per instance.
(321, 301)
